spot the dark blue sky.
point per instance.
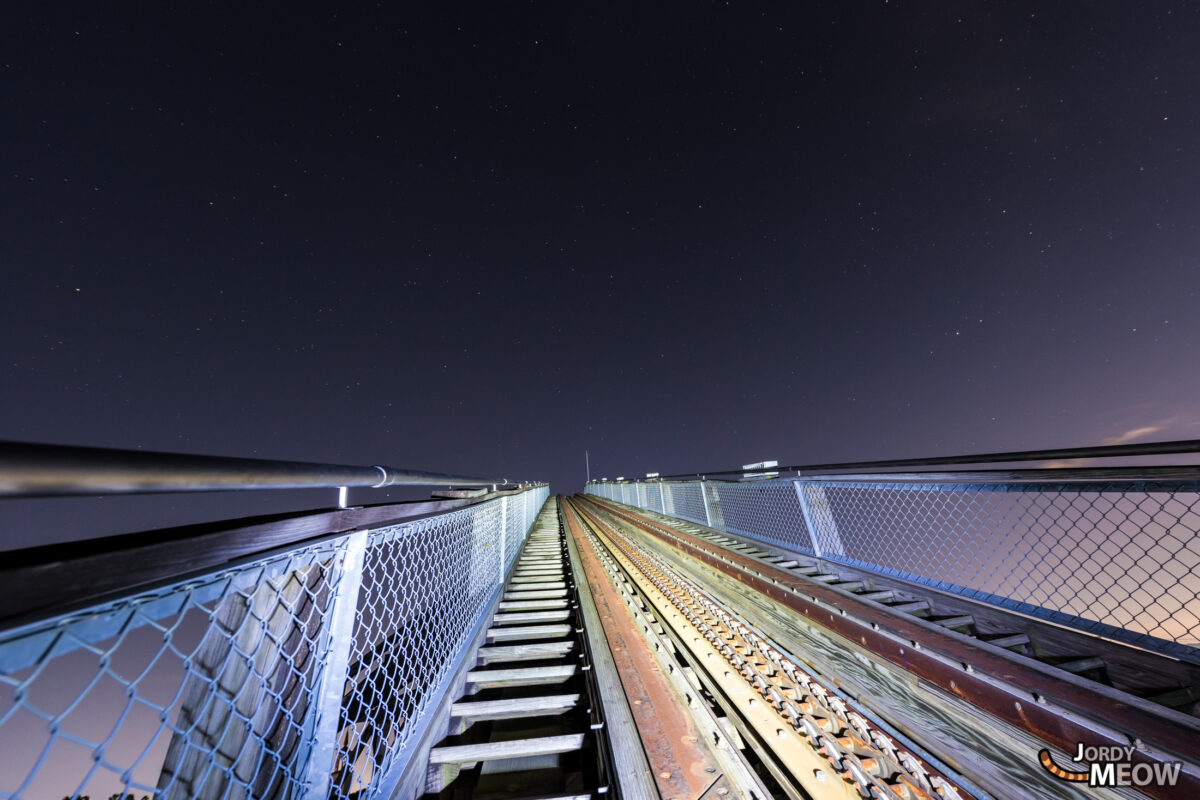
(483, 238)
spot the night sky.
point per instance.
(484, 238)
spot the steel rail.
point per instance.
(667, 735)
(868, 762)
(1053, 712)
(49, 470)
(1101, 451)
(630, 768)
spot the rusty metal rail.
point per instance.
(826, 746)
(1052, 706)
(681, 746)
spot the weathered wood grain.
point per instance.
(1001, 759)
(517, 748)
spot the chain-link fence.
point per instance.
(306, 673)
(1119, 558)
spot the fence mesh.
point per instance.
(689, 503)
(770, 511)
(213, 686)
(1121, 559)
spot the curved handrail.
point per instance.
(1103, 451)
(48, 470)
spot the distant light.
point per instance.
(621, 478)
(761, 465)
(651, 474)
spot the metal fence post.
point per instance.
(503, 538)
(704, 501)
(331, 684)
(808, 520)
(819, 513)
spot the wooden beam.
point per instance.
(525, 652)
(519, 748)
(522, 676)
(515, 708)
(527, 632)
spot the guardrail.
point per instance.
(44, 470)
(280, 657)
(1113, 551)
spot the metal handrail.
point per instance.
(1103, 451)
(49, 470)
(1146, 475)
(50, 579)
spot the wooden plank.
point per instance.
(525, 652)
(910, 608)
(515, 708)
(1013, 640)
(415, 774)
(1177, 698)
(541, 586)
(535, 595)
(521, 676)
(528, 632)
(531, 616)
(1084, 664)
(530, 605)
(518, 748)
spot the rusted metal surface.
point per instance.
(1055, 711)
(830, 748)
(682, 766)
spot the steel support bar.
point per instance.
(339, 637)
(809, 522)
(704, 502)
(502, 568)
(818, 517)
